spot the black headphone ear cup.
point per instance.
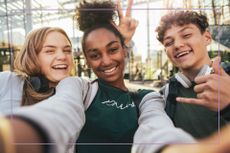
(185, 82)
(35, 83)
(39, 83)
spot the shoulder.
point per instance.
(171, 84)
(143, 92)
(10, 76)
(10, 80)
(72, 83)
(10, 91)
(76, 79)
(6, 75)
(139, 94)
(73, 86)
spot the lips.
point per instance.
(111, 70)
(60, 66)
(182, 53)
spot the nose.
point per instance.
(106, 60)
(178, 43)
(61, 55)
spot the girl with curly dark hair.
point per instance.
(111, 118)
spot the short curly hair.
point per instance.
(181, 18)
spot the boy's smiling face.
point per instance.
(186, 46)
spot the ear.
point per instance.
(208, 37)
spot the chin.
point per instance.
(110, 79)
(60, 78)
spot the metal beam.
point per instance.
(28, 16)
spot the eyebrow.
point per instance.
(111, 43)
(181, 30)
(108, 45)
(185, 28)
(51, 46)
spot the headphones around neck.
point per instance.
(39, 83)
(185, 82)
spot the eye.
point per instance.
(68, 51)
(49, 51)
(94, 56)
(113, 49)
(188, 35)
(168, 43)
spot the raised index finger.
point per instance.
(119, 9)
(128, 11)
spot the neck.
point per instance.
(52, 84)
(192, 72)
(118, 84)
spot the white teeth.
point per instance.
(60, 66)
(182, 53)
(110, 70)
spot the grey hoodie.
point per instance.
(62, 116)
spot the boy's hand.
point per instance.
(213, 90)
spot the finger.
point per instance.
(200, 102)
(216, 64)
(119, 9)
(217, 67)
(114, 24)
(204, 95)
(199, 88)
(201, 79)
(129, 8)
(195, 101)
(133, 24)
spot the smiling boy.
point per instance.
(185, 37)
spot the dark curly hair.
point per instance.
(181, 18)
(94, 15)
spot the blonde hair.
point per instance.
(27, 64)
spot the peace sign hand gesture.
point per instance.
(127, 25)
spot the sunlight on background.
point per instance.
(148, 53)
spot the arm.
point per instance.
(61, 116)
(213, 91)
(14, 133)
(218, 143)
(155, 128)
